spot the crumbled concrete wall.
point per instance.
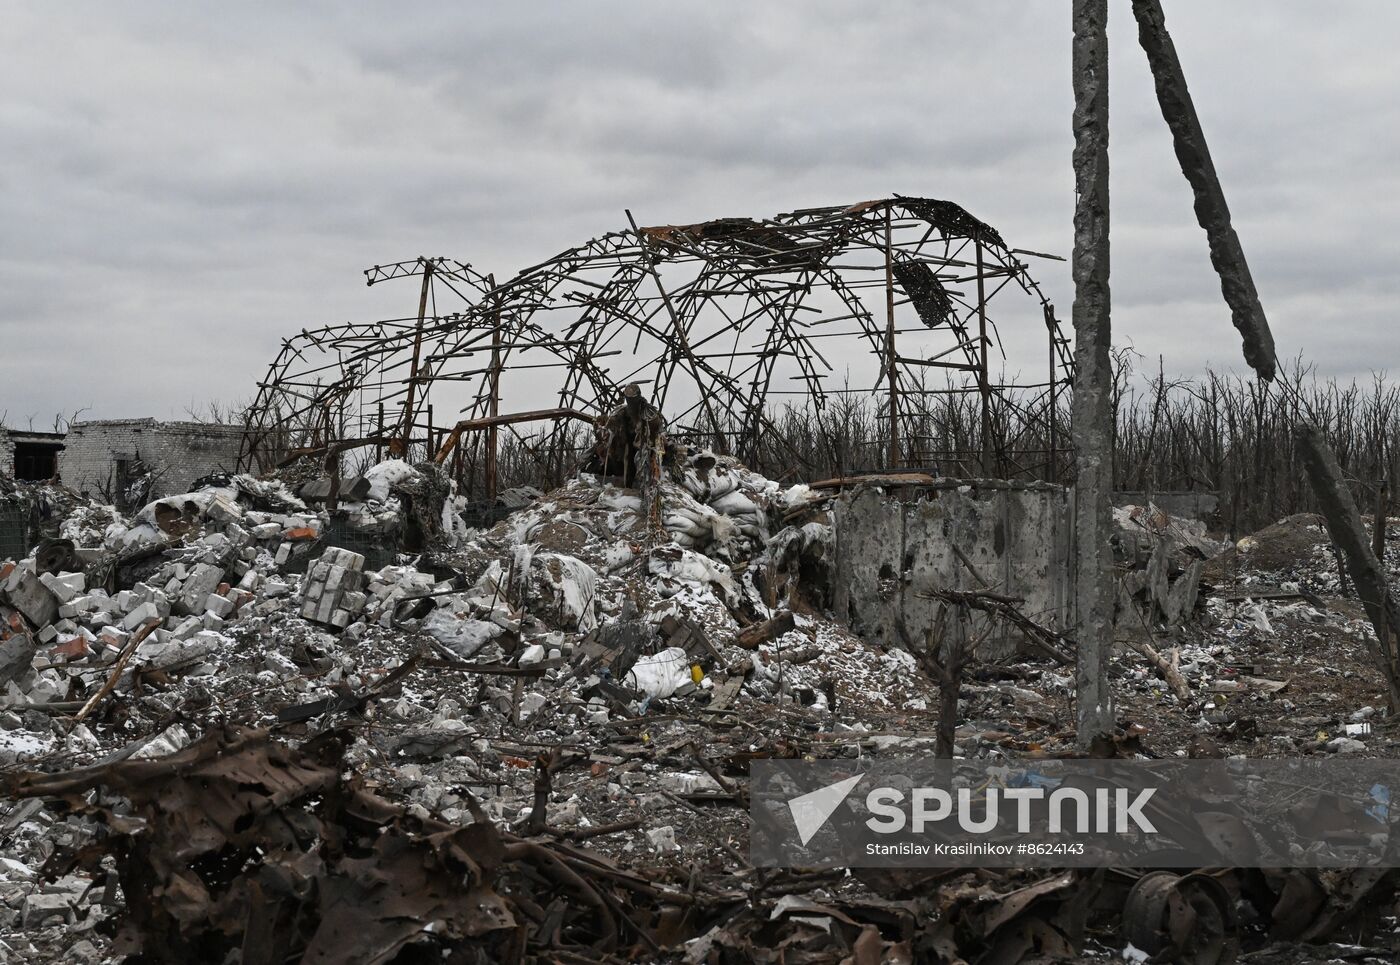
(7, 454)
(181, 451)
(1181, 503)
(1016, 536)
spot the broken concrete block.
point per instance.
(316, 490)
(91, 603)
(267, 531)
(222, 509)
(335, 577)
(279, 664)
(203, 580)
(113, 637)
(215, 543)
(353, 561)
(16, 656)
(187, 628)
(221, 606)
(28, 594)
(663, 839)
(332, 593)
(141, 615)
(42, 909)
(65, 586)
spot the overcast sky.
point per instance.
(182, 185)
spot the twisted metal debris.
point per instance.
(722, 321)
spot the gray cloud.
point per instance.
(184, 185)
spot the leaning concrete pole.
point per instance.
(1093, 376)
(1367, 572)
(1213, 214)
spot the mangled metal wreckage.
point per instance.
(719, 322)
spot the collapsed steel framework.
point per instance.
(722, 321)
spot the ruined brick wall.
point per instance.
(7, 454)
(180, 451)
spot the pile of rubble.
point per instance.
(212, 708)
(125, 639)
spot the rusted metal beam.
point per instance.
(1053, 415)
(494, 408)
(511, 418)
(891, 350)
(890, 479)
(1213, 214)
(1093, 382)
(983, 375)
(402, 446)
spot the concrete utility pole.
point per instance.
(1093, 379)
(1367, 571)
(1213, 214)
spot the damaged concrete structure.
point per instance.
(29, 456)
(107, 457)
(1010, 538)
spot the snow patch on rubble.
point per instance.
(385, 475)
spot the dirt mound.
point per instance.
(1282, 547)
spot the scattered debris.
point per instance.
(229, 681)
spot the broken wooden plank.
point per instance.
(752, 637)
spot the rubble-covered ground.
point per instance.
(531, 742)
